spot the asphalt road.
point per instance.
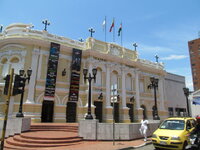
(147, 147)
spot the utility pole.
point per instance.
(6, 108)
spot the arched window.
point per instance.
(15, 63)
(114, 78)
(5, 68)
(128, 82)
(98, 78)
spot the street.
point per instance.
(147, 147)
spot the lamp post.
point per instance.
(81, 40)
(46, 23)
(156, 56)
(23, 80)
(186, 92)
(94, 72)
(100, 97)
(114, 96)
(91, 30)
(135, 46)
(154, 85)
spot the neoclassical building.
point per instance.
(49, 95)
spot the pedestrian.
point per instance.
(144, 127)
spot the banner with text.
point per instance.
(52, 72)
(75, 75)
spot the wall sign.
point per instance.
(52, 72)
(75, 75)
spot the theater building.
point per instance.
(57, 91)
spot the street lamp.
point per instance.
(45, 22)
(156, 56)
(91, 30)
(23, 82)
(154, 85)
(94, 72)
(100, 97)
(135, 46)
(186, 92)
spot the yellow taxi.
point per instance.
(172, 132)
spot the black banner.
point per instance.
(75, 75)
(52, 72)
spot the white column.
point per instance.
(123, 89)
(32, 82)
(161, 92)
(137, 89)
(39, 66)
(108, 105)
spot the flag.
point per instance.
(104, 24)
(120, 29)
(112, 25)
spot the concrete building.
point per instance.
(194, 50)
(57, 91)
(174, 94)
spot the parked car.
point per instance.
(172, 132)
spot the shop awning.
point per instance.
(196, 101)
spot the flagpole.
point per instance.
(114, 30)
(105, 28)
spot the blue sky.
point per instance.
(161, 27)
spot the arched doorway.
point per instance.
(47, 111)
(71, 112)
(99, 108)
(130, 105)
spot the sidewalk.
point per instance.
(105, 145)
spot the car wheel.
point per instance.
(184, 145)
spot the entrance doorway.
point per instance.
(98, 110)
(71, 112)
(47, 111)
(131, 112)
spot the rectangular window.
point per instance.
(170, 111)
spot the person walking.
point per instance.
(144, 127)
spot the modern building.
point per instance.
(194, 50)
(57, 91)
(174, 94)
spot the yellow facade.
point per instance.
(22, 48)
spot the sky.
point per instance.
(161, 27)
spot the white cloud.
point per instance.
(174, 57)
(189, 83)
(155, 49)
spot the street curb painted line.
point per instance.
(135, 147)
(142, 145)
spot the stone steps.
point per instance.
(45, 136)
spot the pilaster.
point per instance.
(34, 65)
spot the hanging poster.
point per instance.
(75, 75)
(52, 72)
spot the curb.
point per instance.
(135, 147)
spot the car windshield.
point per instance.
(173, 124)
